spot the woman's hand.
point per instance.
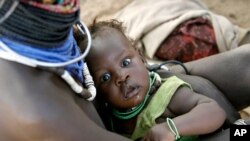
(159, 132)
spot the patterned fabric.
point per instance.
(41, 34)
(154, 21)
(62, 53)
(192, 40)
(157, 105)
(67, 6)
(34, 26)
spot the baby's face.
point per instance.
(118, 70)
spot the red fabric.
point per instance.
(67, 7)
(192, 40)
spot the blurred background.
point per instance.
(237, 11)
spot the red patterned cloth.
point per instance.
(191, 40)
(66, 7)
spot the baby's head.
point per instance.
(117, 67)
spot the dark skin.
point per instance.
(26, 93)
(111, 79)
(20, 85)
(37, 105)
(118, 70)
(223, 70)
(229, 71)
(207, 88)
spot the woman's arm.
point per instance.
(229, 71)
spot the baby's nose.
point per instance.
(121, 77)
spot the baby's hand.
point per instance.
(159, 132)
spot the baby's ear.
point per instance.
(144, 60)
(137, 45)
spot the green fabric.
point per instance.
(157, 105)
(188, 138)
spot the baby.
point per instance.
(141, 104)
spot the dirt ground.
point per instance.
(237, 11)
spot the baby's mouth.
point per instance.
(130, 91)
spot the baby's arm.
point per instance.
(197, 115)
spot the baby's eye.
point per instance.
(105, 77)
(126, 62)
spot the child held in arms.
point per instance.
(141, 104)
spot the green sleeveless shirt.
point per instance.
(157, 105)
